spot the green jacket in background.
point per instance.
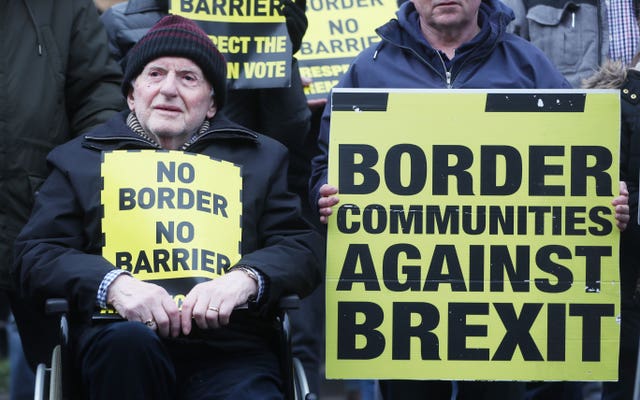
(57, 80)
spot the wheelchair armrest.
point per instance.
(289, 302)
(50, 373)
(59, 307)
(296, 385)
(56, 306)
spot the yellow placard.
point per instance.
(252, 36)
(338, 31)
(475, 237)
(171, 217)
(260, 11)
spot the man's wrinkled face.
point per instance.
(171, 99)
(447, 14)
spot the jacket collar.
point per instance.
(140, 6)
(405, 30)
(116, 135)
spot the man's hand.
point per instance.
(211, 303)
(146, 302)
(621, 204)
(327, 200)
(315, 103)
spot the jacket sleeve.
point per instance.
(319, 163)
(93, 76)
(54, 254)
(630, 148)
(627, 155)
(297, 22)
(111, 21)
(289, 249)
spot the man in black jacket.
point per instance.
(219, 343)
(280, 113)
(615, 75)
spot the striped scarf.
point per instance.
(134, 125)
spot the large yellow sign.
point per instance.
(171, 217)
(475, 237)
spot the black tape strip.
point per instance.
(359, 101)
(535, 102)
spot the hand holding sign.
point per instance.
(175, 223)
(621, 204)
(327, 200)
(136, 300)
(413, 286)
(210, 303)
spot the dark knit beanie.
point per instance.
(175, 36)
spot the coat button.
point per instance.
(625, 91)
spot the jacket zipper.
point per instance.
(232, 133)
(448, 78)
(35, 26)
(447, 72)
(122, 138)
(246, 134)
(600, 38)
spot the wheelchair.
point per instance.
(52, 383)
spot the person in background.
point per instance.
(615, 75)
(454, 45)
(281, 113)
(579, 36)
(219, 344)
(58, 80)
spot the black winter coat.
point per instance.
(58, 251)
(615, 75)
(630, 173)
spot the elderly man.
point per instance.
(218, 344)
(434, 44)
